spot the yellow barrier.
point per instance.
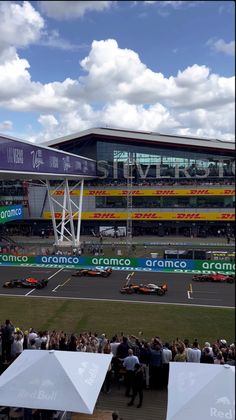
(149, 192)
(152, 215)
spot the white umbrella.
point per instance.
(200, 391)
(54, 380)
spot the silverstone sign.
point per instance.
(8, 213)
(123, 264)
(202, 169)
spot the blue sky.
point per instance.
(164, 66)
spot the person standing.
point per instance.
(166, 359)
(7, 340)
(144, 358)
(137, 385)
(156, 365)
(206, 356)
(129, 364)
(196, 353)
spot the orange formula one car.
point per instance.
(145, 289)
(93, 272)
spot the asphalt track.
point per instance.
(181, 288)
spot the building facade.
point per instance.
(147, 184)
(153, 184)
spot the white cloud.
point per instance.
(221, 46)
(72, 9)
(117, 89)
(48, 121)
(52, 39)
(173, 4)
(20, 25)
(6, 125)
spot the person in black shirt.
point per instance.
(206, 356)
(137, 385)
(7, 340)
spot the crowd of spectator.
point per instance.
(130, 353)
(161, 182)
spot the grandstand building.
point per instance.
(147, 184)
(154, 184)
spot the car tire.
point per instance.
(230, 281)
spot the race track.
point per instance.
(181, 288)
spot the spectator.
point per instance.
(31, 336)
(166, 359)
(123, 348)
(107, 382)
(144, 358)
(195, 355)
(209, 346)
(7, 340)
(188, 349)
(181, 355)
(129, 364)
(137, 385)
(156, 364)
(72, 345)
(219, 360)
(231, 357)
(17, 345)
(206, 356)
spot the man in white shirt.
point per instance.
(32, 336)
(166, 359)
(195, 355)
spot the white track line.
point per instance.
(206, 292)
(32, 290)
(119, 301)
(219, 300)
(55, 273)
(190, 291)
(61, 285)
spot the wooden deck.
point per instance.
(154, 406)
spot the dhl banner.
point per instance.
(148, 192)
(152, 215)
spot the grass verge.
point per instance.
(165, 321)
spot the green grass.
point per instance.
(166, 321)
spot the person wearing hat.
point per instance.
(137, 385)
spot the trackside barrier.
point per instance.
(119, 263)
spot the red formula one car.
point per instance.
(215, 278)
(93, 272)
(28, 282)
(145, 289)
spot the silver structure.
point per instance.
(66, 232)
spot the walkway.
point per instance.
(144, 245)
(154, 405)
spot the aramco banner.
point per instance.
(8, 213)
(119, 263)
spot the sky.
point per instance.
(156, 66)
